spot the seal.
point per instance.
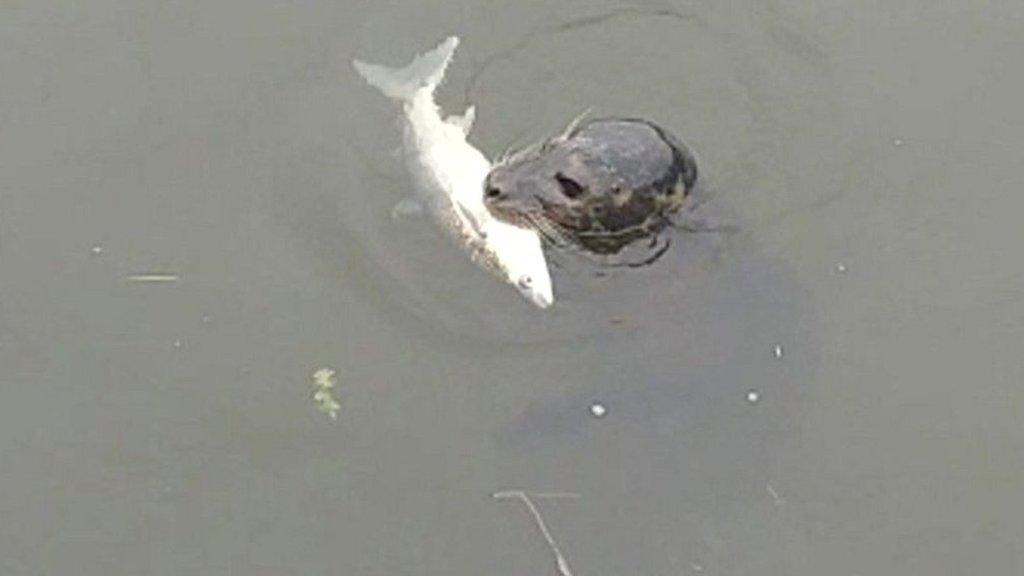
(600, 186)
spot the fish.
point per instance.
(449, 173)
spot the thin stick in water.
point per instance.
(154, 277)
(560, 562)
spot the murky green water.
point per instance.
(872, 300)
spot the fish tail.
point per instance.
(425, 72)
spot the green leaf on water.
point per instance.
(324, 381)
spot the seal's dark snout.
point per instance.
(495, 187)
(498, 199)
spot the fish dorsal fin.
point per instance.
(464, 122)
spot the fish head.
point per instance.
(521, 257)
(535, 286)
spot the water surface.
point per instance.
(868, 154)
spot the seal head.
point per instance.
(602, 185)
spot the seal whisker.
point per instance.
(573, 124)
(661, 251)
(697, 228)
(549, 230)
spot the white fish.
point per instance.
(450, 172)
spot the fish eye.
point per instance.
(525, 281)
(570, 187)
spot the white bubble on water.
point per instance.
(598, 410)
(753, 396)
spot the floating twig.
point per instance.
(560, 562)
(154, 277)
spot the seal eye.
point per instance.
(492, 192)
(570, 187)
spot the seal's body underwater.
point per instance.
(450, 172)
(600, 186)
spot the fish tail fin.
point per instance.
(425, 72)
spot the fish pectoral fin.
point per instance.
(464, 122)
(407, 207)
(470, 220)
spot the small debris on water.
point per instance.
(777, 351)
(841, 268)
(598, 410)
(154, 277)
(696, 567)
(753, 396)
(324, 381)
(97, 249)
(178, 344)
(775, 495)
(897, 142)
(205, 319)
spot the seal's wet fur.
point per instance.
(600, 186)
